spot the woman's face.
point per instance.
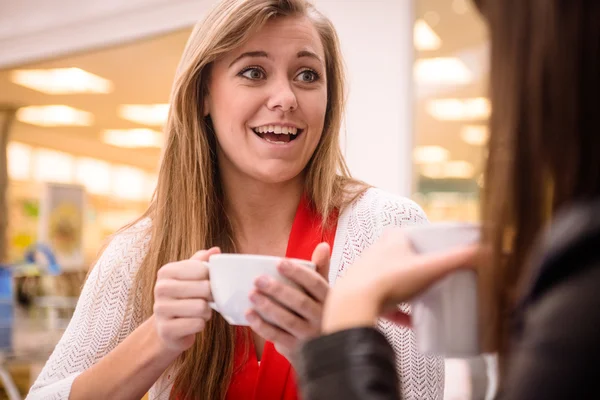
(267, 102)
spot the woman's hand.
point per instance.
(181, 298)
(294, 315)
(387, 274)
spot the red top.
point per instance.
(273, 378)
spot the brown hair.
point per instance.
(544, 147)
(188, 175)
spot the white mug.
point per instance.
(445, 318)
(232, 278)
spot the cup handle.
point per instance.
(211, 304)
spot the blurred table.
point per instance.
(36, 332)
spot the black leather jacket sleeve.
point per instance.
(354, 364)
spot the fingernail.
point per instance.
(285, 266)
(255, 298)
(262, 282)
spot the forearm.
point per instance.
(345, 309)
(128, 371)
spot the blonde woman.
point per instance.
(251, 164)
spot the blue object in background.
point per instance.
(7, 309)
(53, 267)
(7, 297)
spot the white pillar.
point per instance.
(377, 43)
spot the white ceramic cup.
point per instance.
(445, 318)
(232, 278)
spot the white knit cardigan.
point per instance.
(103, 318)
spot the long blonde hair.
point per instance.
(187, 207)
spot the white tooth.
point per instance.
(277, 129)
(284, 130)
(263, 129)
(275, 141)
(270, 128)
(293, 130)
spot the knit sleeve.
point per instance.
(103, 318)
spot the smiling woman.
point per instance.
(272, 88)
(251, 164)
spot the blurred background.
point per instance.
(84, 92)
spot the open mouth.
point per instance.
(277, 134)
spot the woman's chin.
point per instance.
(277, 176)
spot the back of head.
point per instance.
(543, 150)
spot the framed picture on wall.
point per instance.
(62, 211)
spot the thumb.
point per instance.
(321, 256)
(203, 255)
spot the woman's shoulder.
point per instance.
(127, 248)
(386, 208)
(570, 246)
(132, 237)
(556, 324)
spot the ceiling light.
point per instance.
(432, 171)
(459, 170)
(475, 135)
(53, 166)
(61, 81)
(146, 114)
(430, 154)
(94, 174)
(448, 170)
(57, 115)
(129, 183)
(19, 161)
(442, 71)
(459, 109)
(425, 38)
(133, 138)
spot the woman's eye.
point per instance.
(308, 76)
(253, 73)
